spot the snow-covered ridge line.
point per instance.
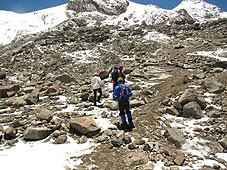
(14, 25)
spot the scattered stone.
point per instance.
(61, 139)
(36, 133)
(179, 160)
(85, 126)
(65, 78)
(136, 159)
(117, 142)
(45, 114)
(223, 142)
(10, 133)
(19, 102)
(83, 139)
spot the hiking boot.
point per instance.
(122, 126)
(131, 125)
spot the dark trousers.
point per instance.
(95, 94)
(124, 107)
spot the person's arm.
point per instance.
(129, 90)
(116, 93)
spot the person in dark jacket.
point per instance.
(122, 93)
(114, 76)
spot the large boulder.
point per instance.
(33, 97)
(10, 133)
(19, 102)
(223, 142)
(189, 95)
(103, 74)
(111, 105)
(192, 109)
(6, 90)
(36, 133)
(45, 114)
(115, 7)
(65, 78)
(85, 126)
(175, 136)
(213, 85)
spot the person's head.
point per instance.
(115, 68)
(120, 67)
(96, 74)
(120, 79)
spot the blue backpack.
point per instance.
(124, 93)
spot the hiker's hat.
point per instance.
(96, 74)
(120, 66)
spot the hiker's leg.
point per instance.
(122, 113)
(95, 92)
(129, 115)
(100, 95)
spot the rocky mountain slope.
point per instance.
(175, 62)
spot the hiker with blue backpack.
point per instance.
(122, 93)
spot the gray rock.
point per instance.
(192, 109)
(6, 89)
(65, 78)
(213, 85)
(136, 103)
(10, 133)
(189, 95)
(117, 142)
(61, 139)
(175, 136)
(172, 111)
(116, 8)
(103, 74)
(36, 133)
(45, 114)
(111, 105)
(223, 142)
(19, 102)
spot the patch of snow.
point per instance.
(212, 54)
(48, 155)
(222, 156)
(156, 36)
(211, 163)
(192, 146)
(201, 10)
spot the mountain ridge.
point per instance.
(21, 24)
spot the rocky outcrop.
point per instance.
(115, 7)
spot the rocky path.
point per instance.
(179, 102)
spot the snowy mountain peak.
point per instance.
(195, 1)
(105, 12)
